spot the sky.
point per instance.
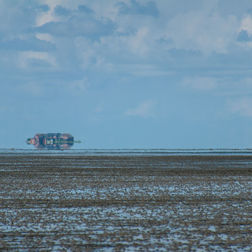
(127, 73)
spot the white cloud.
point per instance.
(144, 109)
(242, 106)
(246, 24)
(104, 9)
(116, 39)
(201, 83)
(109, 40)
(138, 42)
(45, 37)
(46, 17)
(92, 55)
(27, 57)
(78, 87)
(204, 32)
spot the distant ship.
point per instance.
(52, 141)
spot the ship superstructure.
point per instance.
(52, 141)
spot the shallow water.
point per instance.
(126, 200)
(121, 152)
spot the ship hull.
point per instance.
(52, 141)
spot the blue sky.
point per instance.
(127, 73)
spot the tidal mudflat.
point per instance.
(126, 202)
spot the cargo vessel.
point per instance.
(52, 141)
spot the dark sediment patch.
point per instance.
(126, 202)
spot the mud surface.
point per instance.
(126, 203)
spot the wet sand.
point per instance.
(126, 203)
